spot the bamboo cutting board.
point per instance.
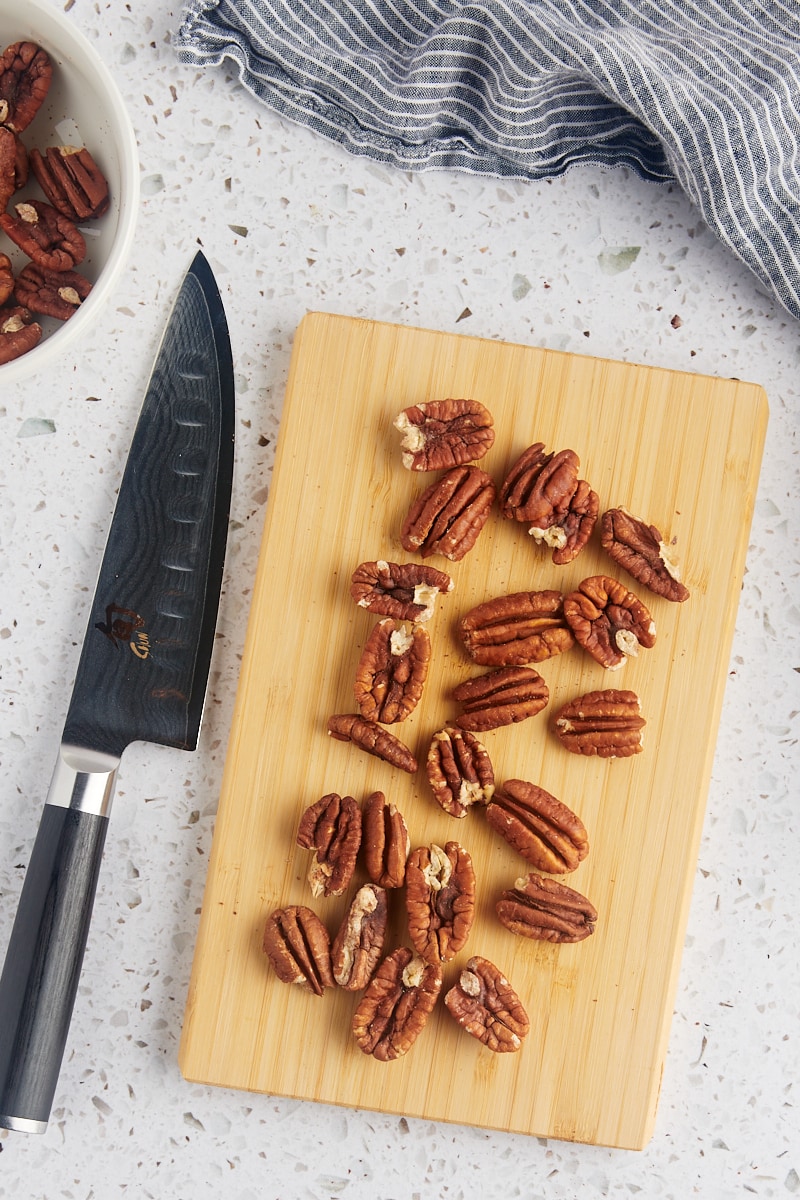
(681, 450)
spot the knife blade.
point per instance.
(141, 676)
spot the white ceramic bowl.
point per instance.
(83, 95)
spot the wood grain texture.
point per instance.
(681, 450)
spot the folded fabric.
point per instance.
(705, 92)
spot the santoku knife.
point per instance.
(142, 676)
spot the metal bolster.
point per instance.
(84, 780)
(22, 1124)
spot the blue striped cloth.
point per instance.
(705, 92)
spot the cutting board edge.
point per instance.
(701, 811)
(320, 315)
(207, 1079)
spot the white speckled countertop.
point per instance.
(292, 224)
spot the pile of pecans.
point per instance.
(46, 231)
(507, 634)
(400, 990)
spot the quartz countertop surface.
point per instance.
(594, 262)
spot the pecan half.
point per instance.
(391, 672)
(56, 294)
(358, 944)
(71, 180)
(49, 239)
(298, 947)
(485, 1004)
(385, 840)
(406, 591)
(539, 485)
(544, 491)
(8, 166)
(520, 628)
(25, 75)
(444, 433)
(13, 165)
(370, 737)
(641, 550)
(449, 515)
(606, 723)
(500, 697)
(544, 831)
(396, 1005)
(440, 900)
(6, 278)
(332, 829)
(610, 622)
(546, 909)
(19, 333)
(569, 535)
(459, 771)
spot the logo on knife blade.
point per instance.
(123, 626)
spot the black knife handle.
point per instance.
(43, 962)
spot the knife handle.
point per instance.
(44, 957)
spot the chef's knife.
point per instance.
(142, 676)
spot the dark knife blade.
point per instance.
(142, 676)
(145, 657)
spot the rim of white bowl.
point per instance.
(74, 43)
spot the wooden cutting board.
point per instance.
(683, 451)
